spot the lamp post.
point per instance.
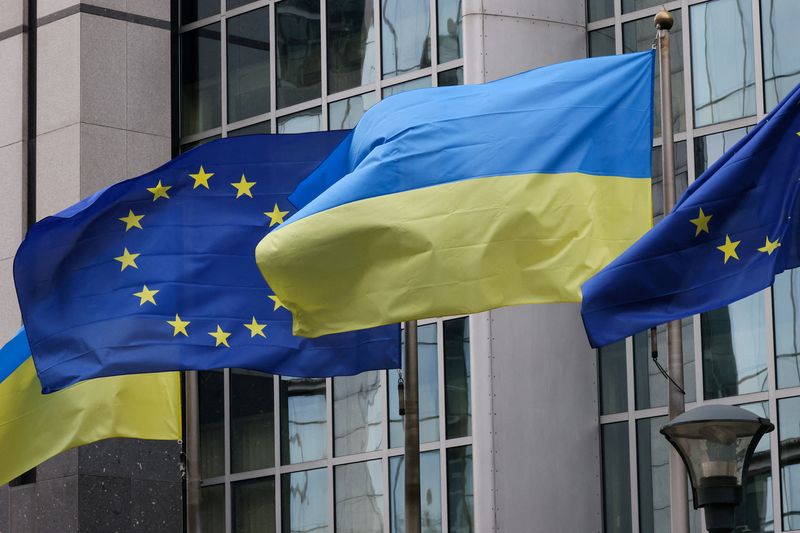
(716, 443)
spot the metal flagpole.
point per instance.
(679, 496)
(191, 444)
(411, 426)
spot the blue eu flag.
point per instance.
(158, 273)
(733, 230)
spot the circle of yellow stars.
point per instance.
(729, 247)
(148, 296)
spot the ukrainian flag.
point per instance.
(461, 199)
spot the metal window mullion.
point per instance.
(434, 43)
(442, 414)
(686, 24)
(224, 70)
(384, 449)
(273, 70)
(698, 360)
(617, 28)
(329, 448)
(777, 497)
(376, 11)
(226, 417)
(758, 63)
(276, 424)
(632, 452)
(323, 29)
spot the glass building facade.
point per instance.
(732, 63)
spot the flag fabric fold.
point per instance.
(461, 199)
(35, 427)
(158, 273)
(731, 232)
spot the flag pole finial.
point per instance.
(664, 20)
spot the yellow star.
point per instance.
(146, 295)
(243, 187)
(127, 259)
(729, 248)
(132, 220)
(179, 326)
(278, 303)
(769, 247)
(220, 336)
(701, 222)
(201, 178)
(276, 216)
(160, 191)
(256, 328)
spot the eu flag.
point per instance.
(733, 230)
(158, 273)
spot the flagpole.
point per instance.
(679, 496)
(191, 443)
(411, 425)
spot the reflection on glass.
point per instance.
(616, 478)
(260, 127)
(248, 65)
(193, 10)
(301, 122)
(779, 36)
(188, 146)
(430, 493)
(357, 413)
(448, 14)
(711, 147)
(734, 348)
(602, 42)
(652, 388)
(252, 421)
(428, 378)
(351, 44)
(212, 508)
(722, 61)
(458, 412)
(600, 9)
(303, 420)
(359, 497)
(405, 39)
(613, 376)
(304, 501)
(460, 492)
(299, 51)
(345, 114)
(419, 83)
(638, 36)
(200, 79)
(451, 77)
(212, 423)
(786, 304)
(231, 4)
(254, 506)
(789, 435)
(681, 177)
(635, 5)
(755, 512)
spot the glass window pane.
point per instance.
(254, 506)
(600, 9)
(451, 77)
(711, 147)
(602, 42)
(299, 51)
(359, 497)
(722, 61)
(357, 413)
(638, 36)
(734, 348)
(192, 10)
(635, 5)
(428, 392)
(304, 501)
(681, 177)
(351, 44)
(781, 60)
(212, 423)
(460, 492)
(613, 378)
(755, 513)
(345, 114)
(786, 300)
(405, 36)
(616, 478)
(252, 421)
(419, 83)
(652, 388)
(212, 508)
(789, 435)
(301, 122)
(248, 65)
(260, 127)
(457, 375)
(430, 493)
(232, 4)
(448, 13)
(188, 146)
(303, 420)
(200, 79)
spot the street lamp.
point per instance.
(716, 442)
